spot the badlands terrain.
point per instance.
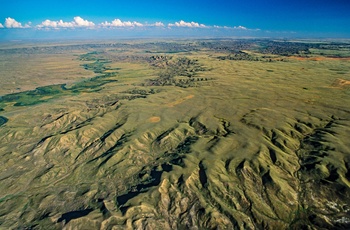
(187, 134)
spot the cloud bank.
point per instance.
(79, 22)
(187, 24)
(236, 28)
(240, 28)
(12, 23)
(120, 23)
(158, 24)
(76, 23)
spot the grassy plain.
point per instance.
(176, 135)
(22, 72)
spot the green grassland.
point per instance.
(198, 134)
(46, 93)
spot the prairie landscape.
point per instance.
(175, 134)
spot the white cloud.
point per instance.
(78, 22)
(240, 28)
(156, 24)
(12, 23)
(120, 23)
(28, 25)
(244, 28)
(187, 24)
(83, 23)
(55, 24)
(159, 24)
(137, 24)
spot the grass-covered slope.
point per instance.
(258, 145)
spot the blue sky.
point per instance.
(73, 18)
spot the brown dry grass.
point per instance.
(154, 119)
(179, 101)
(341, 83)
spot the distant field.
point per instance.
(21, 72)
(191, 134)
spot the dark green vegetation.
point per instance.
(31, 97)
(199, 134)
(46, 93)
(243, 56)
(3, 120)
(171, 71)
